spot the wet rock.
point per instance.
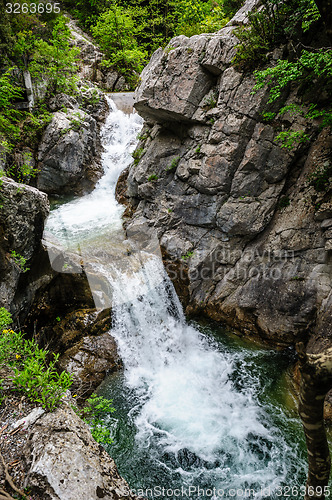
(91, 359)
(65, 463)
(67, 154)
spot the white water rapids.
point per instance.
(195, 405)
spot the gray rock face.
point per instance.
(254, 234)
(67, 154)
(65, 463)
(22, 215)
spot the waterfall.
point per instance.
(194, 405)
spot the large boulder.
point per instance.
(68, 154)
(22, 215)
(64, 462)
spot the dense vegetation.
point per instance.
(128, 31)
(302, 30)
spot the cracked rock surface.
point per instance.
(245, 237)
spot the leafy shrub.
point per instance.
(153, 177)
(115, 32)
(5, 318)
(312, 68)
(9, 117)
(277, 22)
(37, 378)
(137, 155)
(42, 383)
(96, 407)
(19, 260)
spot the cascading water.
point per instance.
(193, 410)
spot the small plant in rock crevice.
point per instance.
(137, 155)
(152, 178)
(173, 165)
(20, 261)
(188, 255)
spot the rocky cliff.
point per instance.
(245, 237)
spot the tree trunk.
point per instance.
(316, 381)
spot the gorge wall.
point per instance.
(244, 236)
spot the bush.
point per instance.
(91, 414)
(37, 378)
(278, 22)
(5, 318)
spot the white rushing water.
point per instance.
(186, 398)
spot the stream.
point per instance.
(199, 412)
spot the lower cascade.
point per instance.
(198, 414)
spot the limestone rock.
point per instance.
(67, 154)
(174, 82)
(22, 215)
(65, 463)
(226, 196)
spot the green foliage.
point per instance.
(291, 138)
(9, 117)
(5, 318)
(56, 60)
(20, 261)
(41, 382)
(173, 165)
(33, 375)
(276, 23)
(96, 407)
(24, 170)
(320, 179)
(115, 33)
(129, 31)
(137, 155)
(198, 149)
(33, 125)
(210, 101)
(187, 256)
(310, 69)
(152, 178)
(268, 116)
(76, 123)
